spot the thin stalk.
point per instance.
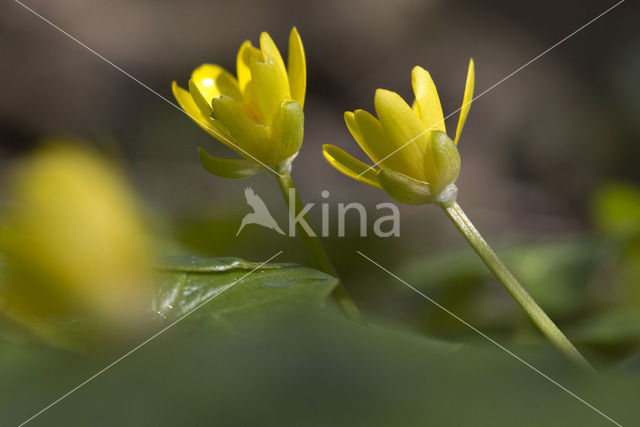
(511, 284)
(317, 254)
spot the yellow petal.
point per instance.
(204, 78)
(427, 99)
(350, 120)
(270, 88)
(269, 81)
(287, 131)
(213, 127)
(369, 134)
(252, 139)
(406, 132)
(466, 99)
(242, 63)
(199, 99)
(186, 102)
(297, 67)
(350, 166)
(271, 52)
(414, 107)
(213, 81)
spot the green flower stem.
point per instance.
(533, 310)
(319, 257)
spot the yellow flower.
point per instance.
(258, 114)
(75, 243)
(418, 163)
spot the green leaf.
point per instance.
(228, 168)
(233, 287)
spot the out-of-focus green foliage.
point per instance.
(309, 369)
(616, 211)
(617, 218)
(556, 274)
(616, 326)
(616, 215)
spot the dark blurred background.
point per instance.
(534, 149)
(535, 145)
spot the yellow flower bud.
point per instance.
(75, 243)
(417, 162)
(257, 113)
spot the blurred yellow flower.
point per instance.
(75, 242)
(418, 163)
(258, 114)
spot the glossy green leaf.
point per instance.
(228, 168)
(234, 286)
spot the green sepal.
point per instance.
(229, 168)
(446, 160)
(405, 189)
(287, 129)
